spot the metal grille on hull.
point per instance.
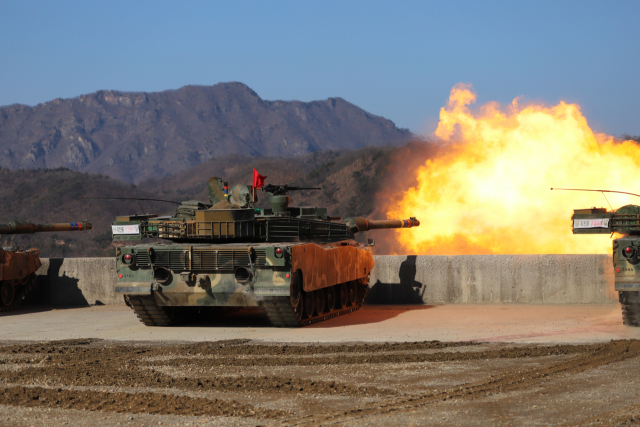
(294, 229)
(203, 259)
(282, 231)
(172, 260)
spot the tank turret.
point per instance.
(297, 262)
(17, 267)
(624, 220)
(232, 217)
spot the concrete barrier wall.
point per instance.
(522, 279)
(76, 281)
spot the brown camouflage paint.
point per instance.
(324, 266)
(18, 265)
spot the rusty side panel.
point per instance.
(327, 266)
(18, 265)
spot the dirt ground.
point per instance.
(544, 324)
(95, 382)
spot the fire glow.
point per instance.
(488, 191)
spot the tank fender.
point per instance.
(18, 265)
(324, 266)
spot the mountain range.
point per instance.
(136, 136)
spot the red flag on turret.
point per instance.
(258, 180)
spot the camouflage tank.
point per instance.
(626, 251)
(18, 268)
(298, 263)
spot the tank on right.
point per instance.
(624, 221)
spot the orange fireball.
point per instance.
(488, 189)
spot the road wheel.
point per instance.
(353, 292)
(308, 303)
(318, 295)
(330, 298)
(630, 302)
(342, 294)
(7, 293)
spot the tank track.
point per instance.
(630, 301)
(21, 293)
(148, 310)
(278, 310)
(282, 314)
(152, 314)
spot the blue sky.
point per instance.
(397, 59)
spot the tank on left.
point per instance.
(18, 267)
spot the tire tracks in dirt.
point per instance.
(623, 416)
(132, 403)
(223, 348)
(41, 374)
(590, 357)
(348, 359)
(86, 377)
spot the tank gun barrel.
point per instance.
(358, 224)
(26, 227)
(393, 223)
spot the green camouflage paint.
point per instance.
(228, 253)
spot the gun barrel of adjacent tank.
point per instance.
(358, 224)
(26, 227)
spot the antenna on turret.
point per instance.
(279, 190)
(598, 191)
(137, 199)
(130, 198)
(605, 197)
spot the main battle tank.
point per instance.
(18, 268)
(298, 263)
(626, 251)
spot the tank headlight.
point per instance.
(628, 252)
(279, 252)
(128, 259)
